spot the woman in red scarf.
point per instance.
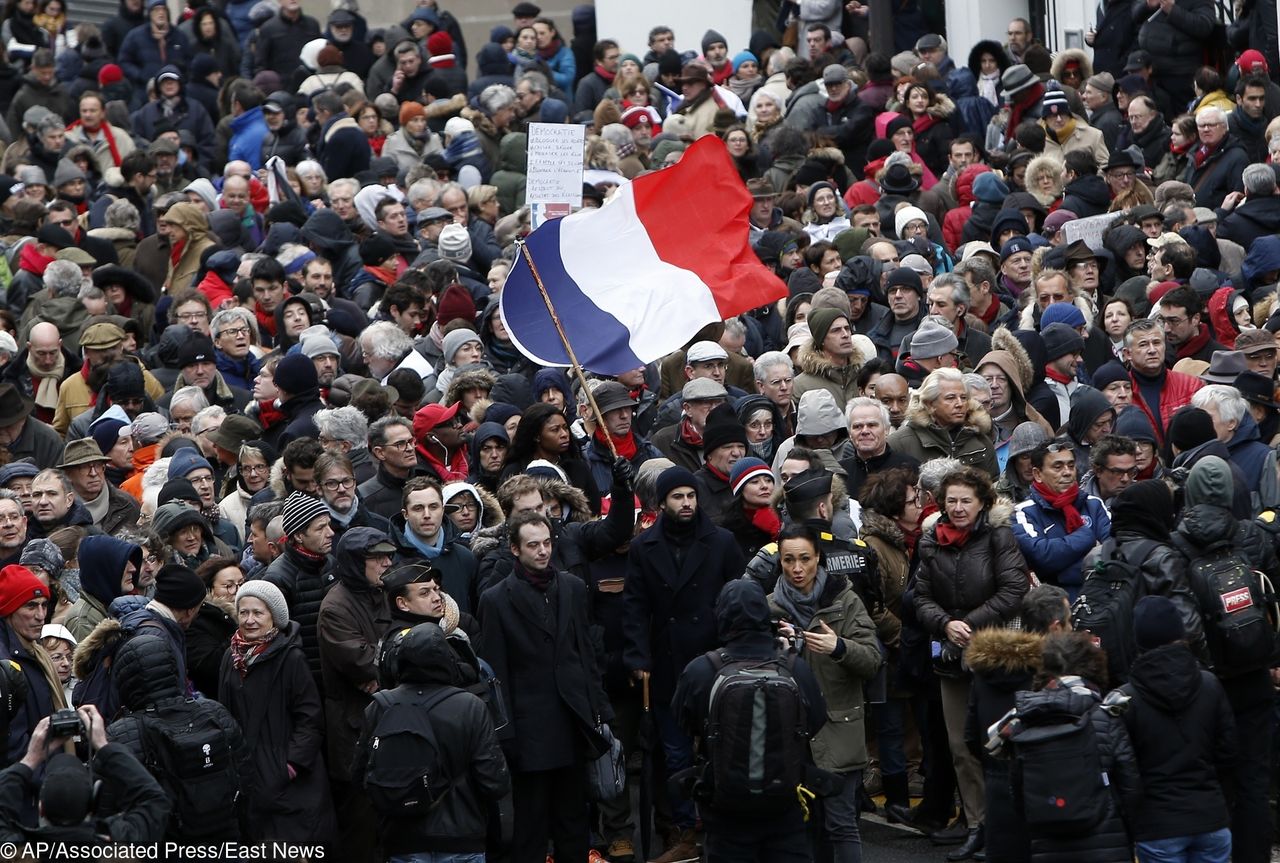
(751, 517)
(971, 575)
(372, 124)
(929, 113)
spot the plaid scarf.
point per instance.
(244, 653)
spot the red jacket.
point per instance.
(954, 221)
(1176, 392)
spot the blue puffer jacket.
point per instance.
(1053, 554)
(247, 134)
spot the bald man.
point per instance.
(893, 393)
(38, 370)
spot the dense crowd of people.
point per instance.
(301, 547)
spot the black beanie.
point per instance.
(722, 428)
(671, 479)
(1189, 427)
(178, 489)
(375, 250)
(1156, 622)
(179, 587)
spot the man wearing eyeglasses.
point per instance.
(1113, 463)
(336, 480)
(1218, 161)
(85, 465)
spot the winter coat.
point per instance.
(101, 576)
(303, 582)
(1183, 737)
(1055, 555)
(670, 600)
(1116, 30)
(208, 638)
(1086, 196)
(1251, 218)
(1107, 841)
(1176, 40)
(1003, 661)
(1083, 137)
(1154, 141)
(539, 643)
(343, 151)
(280, 44)
(600, 460)
(116, 27)
(841, 745)
(41, 698)
(140, 58)
(1220, 173)
(818, 372)
(199, 240)
(353, 618)
(189, 115)
(279, 710)
(981, 583)
(511, 174)
(52, 96)
(1164, 573)
(468, 748)
(75, 397)
(922, 439)
(1176, 391)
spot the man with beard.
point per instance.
(676, 569)
(335, 478)
(37, 371)
(321, 350)
(22, 436)
(54, 505)
(85, 465)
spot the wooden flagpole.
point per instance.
(564, 339)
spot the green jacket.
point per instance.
(841, 745)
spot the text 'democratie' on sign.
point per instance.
(555, 164)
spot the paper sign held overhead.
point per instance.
(555, 164)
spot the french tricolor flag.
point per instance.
(636, 279)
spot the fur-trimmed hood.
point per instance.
(881, 526)
(1004, 650)
(1066, 56)
(1004, 340)
(490, 510)
(104, 637)
(941, 108)
(987, 46)
(812, 361)
(1042, 162)
(579, 508)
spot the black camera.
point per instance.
(65, 723)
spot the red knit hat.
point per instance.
(439, 43)
(18, 586)
(455, 302)
(110, 74)
(411, 109)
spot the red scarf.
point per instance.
(1195, 344)
(605, 73)
(715, 473)
(266, 320)
(105, 128)
(376, 142)
(1053, 374)
(244, 652)
(382, 274)
(1202, 153)
(31, 260)
(724, 73)
(949, 535)
(626, 445)
(923, 123)
(909, 540)
(455, 471)
(765, 519)
(306, 554)
(689, 434)
(1032, 97)
(1178, 151)
(175, 253)
(553, 47)
(989, 316)
(1064, 503)
(93, 394)
(268, 414)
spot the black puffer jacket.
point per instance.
(145, 669)
(468, 746)
(1164, 573)
(981, 583)
(1183, 735)
(303, 582)
(1109, 841)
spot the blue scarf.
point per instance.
(429, 551)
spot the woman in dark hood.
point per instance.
(209, 34)
(766, 426)
(486, 476)
(1128, 247)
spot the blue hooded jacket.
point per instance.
(247, 133)
(102, 562)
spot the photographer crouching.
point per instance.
(67, 790)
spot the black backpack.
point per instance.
(193, 756)
(404, 776)
(1104, 606)
(755, 739)
(1233, 605)
(1059, 785)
